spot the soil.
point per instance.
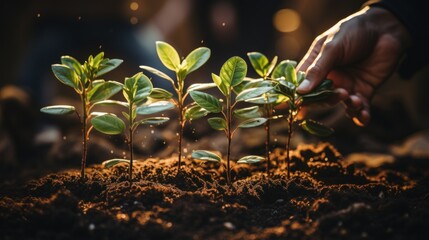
(326, 197)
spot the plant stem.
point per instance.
(84, 135)
(180, 137)
(228, 153)
(180, 102)
(130, 144)
(290, 122)
(268, 109)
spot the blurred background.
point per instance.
(36, 33)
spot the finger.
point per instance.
(358, 110)
(362, 119)
(354, 103)
(340, 94)
(312, 53)
(321, 66)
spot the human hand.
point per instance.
(358, 54)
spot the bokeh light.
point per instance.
(286, 20)
(134, 20)
(134, 6)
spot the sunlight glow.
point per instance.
(134, 6)
(286, 20)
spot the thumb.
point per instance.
(320, 67)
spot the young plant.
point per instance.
(285, 81)
(228, 82)
(171, 60)
(136, 91)
(83, 78)
(264, 68)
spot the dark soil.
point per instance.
(326, 197)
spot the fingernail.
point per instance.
(305, 84)
(358, 122)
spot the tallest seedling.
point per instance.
(171, 60)
(81, 77)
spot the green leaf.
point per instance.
(217, 123)
(252, 93)
(112, 162)
(104, 91)
(280, 70)
(108, 66)
(195, 112)
(266, 99)
(320, 93)
(154, 107)
(90, 60)
(144, 88)
(222, 87)
(259, 62)
(72, 63)
(158, 73)
(246, 113)
(251, 159)
(256, 83)
(112, 102)
(300, 76)
(271, 66)
(253, 122)
(291, 75)
(159, 93)
(182, 72)
(207, 101)
(129, 90)
(168, 55)
(108, 124)
(58, 109)
(126, 115)
(286, 88)
(133, 114)
(252, 83)
(233, 71)
(201, 86)
(154, 120)
(206, 155)
(316, 128)
(316, 96)
(197, 58)
(137, 88)
(282, 98)
(325, 85)
(65, 75)
(97, 59)
(94, 83)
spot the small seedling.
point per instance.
(229, 82)
(285, 81)
(264, 68)
(171, 60)
(82, 78)
(136, 91)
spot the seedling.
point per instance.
(136, 91)
(229, 82)
(264, 68)
(82, 78)
(285, 81)
(171, 60)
